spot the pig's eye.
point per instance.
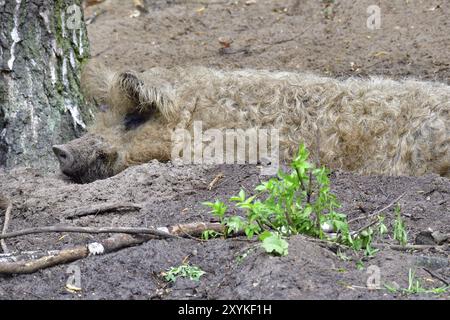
(135, 119)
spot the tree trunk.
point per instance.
(43, 45)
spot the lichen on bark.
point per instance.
(43, 45)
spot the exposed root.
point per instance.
(100, 208)
(127, 237)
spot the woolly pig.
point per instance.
(369, 126)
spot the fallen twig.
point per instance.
(335, 245)
(5, 204)
(271, 44)
(99, 208)
(195, 228)
(111, 244)
(215, 181)
(127, 237)
(436, 276)
(378, 212)
(94, 17)
(409, 246)
(151, 231)
(25, 255)
(290, 39)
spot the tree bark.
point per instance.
(43, 45)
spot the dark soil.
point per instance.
(171, 195)
(413, 41)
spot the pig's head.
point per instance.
(134, 127)
(87, 158)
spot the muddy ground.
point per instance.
(280, 35)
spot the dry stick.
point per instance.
(215, 181)
(409, 246)
(365, 227)
(151, 231)
(6, 204)
(289, 39)
(334, 245)
(99, 208)
(436, 276)
(163, 232)
(111, 244)
(378, 212)
(189, 236)
(25, 255)
(195, 228)
(94, 17)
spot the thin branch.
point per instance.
(111, 244)
(409, 246)
(99, 208)
(188, 235)
(194, 228)
(378, 212)
(214, 182)
(148, 231)
(436, 276)
(289, 39)
(334, 245)
(116, 242)
(365, 227)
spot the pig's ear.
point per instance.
(147, 93)
(96, 82)
(108, 154)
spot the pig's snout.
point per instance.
(65, 157)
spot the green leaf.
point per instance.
(360, 265)
(261, 187)
(208, 204)
(240, 197)
(274, 244)
(383, 229)
(210, 234)
(218, 208)
(340, 225)
(235, 223)
(251, 229)
(185, 271)
(264, 235)
(242, 194)
(308, 210)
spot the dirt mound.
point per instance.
(235, 268)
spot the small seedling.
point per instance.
(297, 202)
(184, 271)
(218, 209)
(360, 265)
(210, 234)
(243, 256)
(382, 229)
(341, 255)
(400, 233)
(415, 287)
